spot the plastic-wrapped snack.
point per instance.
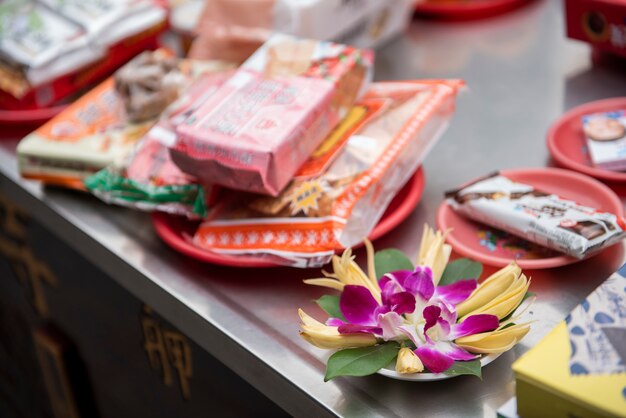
(538, 216)
(92, 133)
(606, 139)
(233, 29)
(341, 192)
(149, 83)
(265, 121)
(50, 49)
(149, 180)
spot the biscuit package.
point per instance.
(148, 179)
(606, 139)
(264, 122)
(96, 131)
(343, 189)
(50, 49)
(537, 216)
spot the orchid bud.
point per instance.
(408, 362)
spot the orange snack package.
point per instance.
(340, 193)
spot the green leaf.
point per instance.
(391, 259)
(465, 367)
(361, 361)
(461, 269)
(330, 304)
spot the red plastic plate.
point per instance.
(566, 140)
(465, 9)
(493, 247)
(177, 231)
(31, 117)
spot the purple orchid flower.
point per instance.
(420, 284)
(434, 308)
(436, 348)
(364, 314)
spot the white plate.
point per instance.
(429, 377)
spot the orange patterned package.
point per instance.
(341, 192)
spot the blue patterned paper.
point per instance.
(597, 329)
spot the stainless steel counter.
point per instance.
(522, 74)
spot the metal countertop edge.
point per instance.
(292, 398)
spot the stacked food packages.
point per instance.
(290, 157)
(50, 49)
(234, 29)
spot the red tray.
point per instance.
(488, 245)
(566, 140)
(465, 9)
(29, 118)
(177, 231)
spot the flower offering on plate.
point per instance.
(432, 318)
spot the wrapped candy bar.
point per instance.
(52, 48)
(149, 180)
(265, 121)
(233, 29)
(343, 189)
(540, 217)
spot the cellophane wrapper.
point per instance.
(149, 180)
(342, 191)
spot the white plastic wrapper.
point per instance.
(537, 216)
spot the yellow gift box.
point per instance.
(550, 383)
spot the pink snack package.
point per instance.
(267, 119)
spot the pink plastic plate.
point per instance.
(566, 140)
(176, 231)
(496, 248)
(465, 9)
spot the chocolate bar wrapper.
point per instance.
(537, 216)
(149, 180)
(340, 193)
(265, 121)
(606, 139)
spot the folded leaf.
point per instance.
(360, 361)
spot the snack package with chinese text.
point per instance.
(343, 189)
(148, 179)
(538, 216)
(52, 48)
(96, 131)
(265, 121)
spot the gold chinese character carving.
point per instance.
(31, 272)
(51, 355)
(167, 349)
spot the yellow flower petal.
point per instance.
(494, 286)
(347, 272)
(326, 282)
(506, 303)
(408, 362)
(497, 341)
(434, 252)
(324, 336)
